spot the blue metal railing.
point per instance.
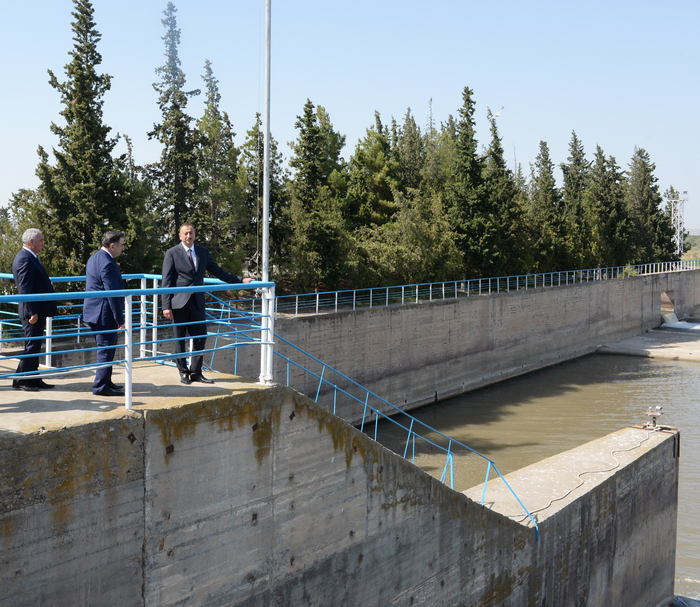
(68, 326)
(332, 301)
(239, 329)
(393, 415)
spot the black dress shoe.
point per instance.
(42, 385)
(201, 378)
(185, 378)
(25, 387)
(114, 386)
(110, 392)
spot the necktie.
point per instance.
(189, 256)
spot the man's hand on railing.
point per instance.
(168, 314)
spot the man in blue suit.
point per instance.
(31, 278)
(184, 266)
(105, 313)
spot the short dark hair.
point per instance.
(112, 237)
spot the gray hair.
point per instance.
(30, 234)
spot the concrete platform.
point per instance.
(72, 403)
(551, 485)
(668, 344)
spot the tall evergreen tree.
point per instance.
(373, 179)
(606, 211)
(575, 173)
(510, 251)
(319, 242)
(469, 216)
(652, 232)
(86, 192)
(221, 215)
(250, 178)
(410, 153)
(175, 177)
(546, 215)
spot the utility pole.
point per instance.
(676, 202)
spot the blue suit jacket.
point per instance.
(31, 277)
(102, 274)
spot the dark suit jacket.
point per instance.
(31, 278)
(102, 274)
(178, 272)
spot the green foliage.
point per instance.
(652, 230)
(546, 215)
(410, 205)
(87, 191)
(250, 179)
(417, 246)
(175, 178)
(606, 213)
(319, 243)
(576, 231)
(373, 178)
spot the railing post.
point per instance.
(128, 346)
(0, 337)
(49, 341)
(336, 301)
(142, 331)
(416, 293)
(296, 306)
(317, 296)
(267, 334)
(154, 331)
(370, 299)
(387, 297)
(353, 300)
(403, 288)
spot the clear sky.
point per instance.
(620, 73)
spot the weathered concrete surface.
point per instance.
(257, 496)
(416, 354)
(662, 343)
(413, 355)
(606, 512)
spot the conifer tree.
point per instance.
(86, 192)
(319, 242)
(577, 231)
(220, 215)
(175, 178)
(652, 231)
(510, 250)
(546, 215)
(470, 212)
(250, 179)
(410, 153)
(373, 179)
(606, 211)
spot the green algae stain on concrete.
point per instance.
(255, 410)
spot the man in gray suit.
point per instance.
(184, 266)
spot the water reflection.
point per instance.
(521, 421)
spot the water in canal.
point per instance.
(523, 420)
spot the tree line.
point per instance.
(411, 204)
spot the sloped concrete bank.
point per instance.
(260, 497)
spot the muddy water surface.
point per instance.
(521, 421)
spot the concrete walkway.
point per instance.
(72, 402)
(670, 344)
(550, 485)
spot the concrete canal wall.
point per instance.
(413, 355)
(263, 498)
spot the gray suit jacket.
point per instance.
(178, 272)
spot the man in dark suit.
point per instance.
(105, 313)
(184, 266)
(31, 278)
